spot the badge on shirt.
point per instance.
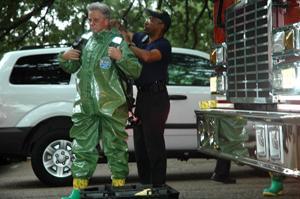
(105, 63)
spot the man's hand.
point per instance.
(71, 54)
(127, 35)
(114, 53)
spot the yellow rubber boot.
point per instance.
(118, 182)
(77, 185)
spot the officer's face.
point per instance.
(153, 24)
(97, 21)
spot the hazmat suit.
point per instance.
(100, 109)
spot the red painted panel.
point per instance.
(293, 12)
(219, 33)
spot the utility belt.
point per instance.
(157, 86)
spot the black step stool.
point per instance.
(128, 192)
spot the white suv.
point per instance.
(36, 99)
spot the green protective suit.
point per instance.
(100, 109)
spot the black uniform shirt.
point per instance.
(154, 71)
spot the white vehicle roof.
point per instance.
(190, 52)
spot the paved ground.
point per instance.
(190, 178)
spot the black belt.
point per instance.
(157, 86)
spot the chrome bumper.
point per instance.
(268, 140)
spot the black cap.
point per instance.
(160, 14)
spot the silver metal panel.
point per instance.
(271, 139)
(249, 31)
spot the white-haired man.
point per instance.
(100, 109)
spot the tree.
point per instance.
(45, 22)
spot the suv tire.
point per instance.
(52, 158)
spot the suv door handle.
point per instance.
(177, 97)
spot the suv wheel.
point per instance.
(52, 158)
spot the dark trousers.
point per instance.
(152, 109)
(222, 168)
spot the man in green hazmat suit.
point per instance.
(100, 109)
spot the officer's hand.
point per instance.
(71, 54)
(114, 53)
(127, 35)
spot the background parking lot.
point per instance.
(190, 178)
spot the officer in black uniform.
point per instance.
(152, 103)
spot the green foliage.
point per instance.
(41, 22)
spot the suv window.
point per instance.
(189, 70)
(39, 69)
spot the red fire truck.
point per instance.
(254, 117)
